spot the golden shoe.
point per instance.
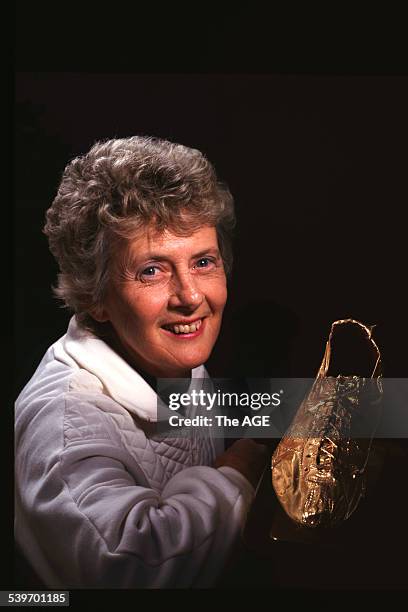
(319, 466)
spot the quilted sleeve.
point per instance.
(100, 525)
(114, 533)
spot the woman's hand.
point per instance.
(247, 457)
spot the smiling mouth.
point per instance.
(180, 328)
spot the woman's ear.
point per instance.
(99, 313)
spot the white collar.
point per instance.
(120, 380)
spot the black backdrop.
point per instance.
(316, 163)
(303, 115)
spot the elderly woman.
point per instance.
(140, 228)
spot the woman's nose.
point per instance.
(185, 293)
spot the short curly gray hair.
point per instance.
(118, 187)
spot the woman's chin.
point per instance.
(184, 371)
(184, 366)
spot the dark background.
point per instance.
(304, 115)
(316, 163)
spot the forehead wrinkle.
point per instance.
(153, 242)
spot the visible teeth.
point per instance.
(187, 329)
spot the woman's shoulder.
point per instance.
(73, 402)
(91, 414)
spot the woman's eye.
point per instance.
(150, 271)
(204, 262)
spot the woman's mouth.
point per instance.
(181, 330)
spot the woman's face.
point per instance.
(160, 284)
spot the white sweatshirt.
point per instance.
(100, 503)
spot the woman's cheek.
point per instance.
(215, 286)
(147, 306)
(220, 292)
